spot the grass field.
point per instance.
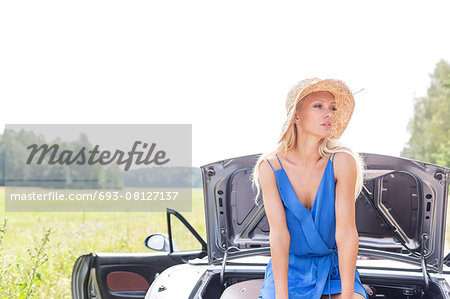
(74, 234)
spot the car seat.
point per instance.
(243, 290)
(250, 289)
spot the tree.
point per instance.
(430, 127)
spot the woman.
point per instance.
(309, 186)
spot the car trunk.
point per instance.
(400, 215)
(378, 284)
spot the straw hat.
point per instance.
(342, 95)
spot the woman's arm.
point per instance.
(279, 233)
(346, 232)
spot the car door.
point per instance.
(129, 275)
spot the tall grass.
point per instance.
(39, 261)
(19, 278)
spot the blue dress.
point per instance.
(313, 257)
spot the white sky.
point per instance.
(224, 67)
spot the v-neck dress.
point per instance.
(313, 256)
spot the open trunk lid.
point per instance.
(401, 213)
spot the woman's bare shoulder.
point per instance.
(265, 169)
(344, 158)
(273, 161)
(344, 164)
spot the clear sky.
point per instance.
(224, 67)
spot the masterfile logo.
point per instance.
(103, 158)
(98, 167)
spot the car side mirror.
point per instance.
(159, 242)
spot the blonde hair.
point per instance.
(327, 146)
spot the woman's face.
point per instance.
(316, 113)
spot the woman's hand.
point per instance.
(347, 294)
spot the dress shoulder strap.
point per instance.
(332, 159)
(279, 160)
(270, 164)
